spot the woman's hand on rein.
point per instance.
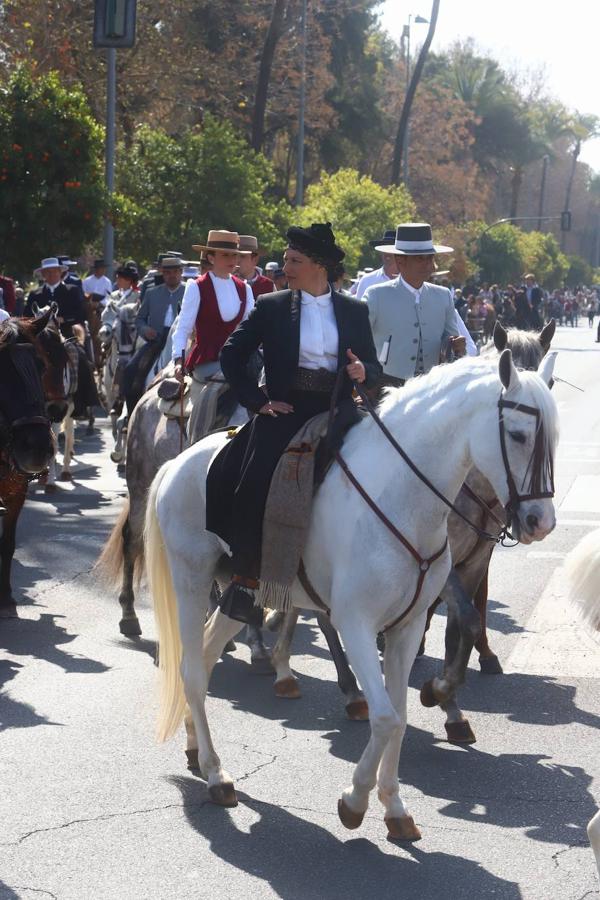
(275, 408)
(355, 369)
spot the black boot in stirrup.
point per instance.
(237, 602)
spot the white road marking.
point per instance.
(583, 495)
(581, 523)
(555, 643)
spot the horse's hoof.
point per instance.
(402, 828)
(223, 794)
(116, 456)
(460, 732)
(490, 665)
(130, 627)
(50, 488)
(348, 817)
(9, 611)
(260, 664)
(229, 647)
(193, 762)
(381, 642)
(288, 688)
(358, 710)
(274, 619)
(65, 476)
(427, 695)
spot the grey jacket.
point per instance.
(419, 331)
(153, 310)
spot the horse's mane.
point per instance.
(525, 345)
(13, 330)
(468, 372)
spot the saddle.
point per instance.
(169, 398)
(301, 469)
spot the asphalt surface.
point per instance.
(91, 806)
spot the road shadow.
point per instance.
(7, 893)
(14, 713)
(300, 860)
(44, 639)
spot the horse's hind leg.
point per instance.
(488, 661)
(68, 427)
(356, 705)
(593, 831)
(129, 623)
(401, 646)
(286, 683)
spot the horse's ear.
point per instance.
(508, 374)
(546, 368)
(40, 323)
(546, 335)
(500, 337)
(35, 308)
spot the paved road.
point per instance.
(90, 806)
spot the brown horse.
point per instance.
(31, 374)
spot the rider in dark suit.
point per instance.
(307, 333)
(68, 297)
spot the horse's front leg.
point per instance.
(68, 427)
(129, 624)
(593, 830)
(260, 655)
(359, 638)
(13, 500)
(356, 706)
(488, 661)
(401, 645)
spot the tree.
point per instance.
(264, 73)
(499, 254)
(582, 128)
(173, 190)
(359, 210)
(51, 179)
(579, 272)
(541, 254)
(411, 91)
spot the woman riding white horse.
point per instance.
(357, 564)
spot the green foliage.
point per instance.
(171, 191)
(579, 272)
(51, 180)
(505, 253)
(541, 255)
(359, 210)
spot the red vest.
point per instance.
(262, 285)
(211, 330)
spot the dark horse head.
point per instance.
(26, 440)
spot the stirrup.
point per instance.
(237, 602)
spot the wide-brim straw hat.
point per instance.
(221, 240)
(51, 262)
(414, 239)
(249, 244)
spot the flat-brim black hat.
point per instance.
(128, 272)
(414, 239)
(389, 237)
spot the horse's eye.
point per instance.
(518, 436)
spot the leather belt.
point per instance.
(319, 380)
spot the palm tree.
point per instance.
(582, 127)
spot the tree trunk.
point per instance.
(264, 73)
(515, 191)
(410, 94)
(576, 152)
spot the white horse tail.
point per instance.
(172, 697)
(582, 568)
(109, 564)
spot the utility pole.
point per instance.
(546, 160)
(300, 152)
(114, 26)
(109, 166)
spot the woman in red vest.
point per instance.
(213, 306)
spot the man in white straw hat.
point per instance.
(413, 320)
(213, 306)
(68, 297)
(388, 269)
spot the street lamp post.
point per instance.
(419, 20)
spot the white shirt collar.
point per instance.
(416, 292)
(322, 300)
(217, 278)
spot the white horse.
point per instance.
(582, 568)
(366, 576)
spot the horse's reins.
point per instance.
(424, 564)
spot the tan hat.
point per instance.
(221, 240)
(248, 243)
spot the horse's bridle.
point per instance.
(538, 478)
